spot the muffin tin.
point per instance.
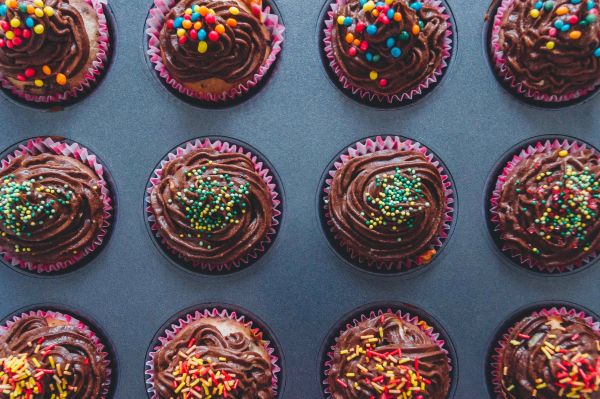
(299, 121)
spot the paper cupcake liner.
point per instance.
(171, 332)
(154, 25)
(72, 321)
(365, 94)
(259, 167)
(406, 316)
(48, 145)
(496, 356)
(527, 260)
(90, 78)
(511, 81)
(393, 143)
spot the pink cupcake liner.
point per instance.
(154, 25)
(525, 259)
(72, 321)
(406, 316)
(259, 167)
(171, 332)
(507, 77)
(496, 356)
(390, 99)
(90, 77)
(49, 145)
(392, 143)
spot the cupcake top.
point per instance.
(55, 358)
(550, 357)
(51, 207)
(552, 46)
(47, 46)
(386, 354)
(548, 207)
(221, 356)
(388, 205)
(388, 48)
(221, 42)
(211, 207)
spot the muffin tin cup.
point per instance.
(261, 166)
(86, 325)
(406, 312)
(494, 188)
(93, 77)
(61, 146)
(370, 145)
(507, 80)
(154, 24)
(367, 97)
(501, 338)
(178, 322)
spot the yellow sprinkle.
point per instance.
(550, 45)
(49, 11)
(373, 75)
(563, 153)
(534, 13)
(202, 47)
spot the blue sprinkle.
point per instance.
(390, 42)
(391, 13)
(565, 27)
(380, 4)
(396, 52)
(416, 6)
(29, 22)
(597, 53)
(195, 16)
(3, 10)
(362, 3)
(558, 24)
(202, 34)
(539, 5)
(369, 56)
(178, 22)
(590, 4)
(376, 58)
(347, 21)
(575, 1)
(371, 30)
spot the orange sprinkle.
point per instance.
(231, 22)
(61, 79)
(416, 29)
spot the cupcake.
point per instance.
(387, 356)
(51, 50)
(213, 50)
(548, 51)
(389, 52)
(547, 355)
(55, 208)
(388, 203)
(51, 355)
(545, 206)
(213, 205)
(214, 355)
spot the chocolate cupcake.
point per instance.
(546, 206)
(547, 355)
(213, 50)
(51, 355)
(548, 51)
(389, 52)
(54, 207)
(216, 355)
(388, 204)
(51, 50)
(386, 355)
(212, 204)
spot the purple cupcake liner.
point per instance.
(393, 143)
(154, 25)
(507, 77)
(526, 260)
(404, 315)
(171, 332)
(496, 357)
(259, 167)
(389, 99)
(43, 145)
(74, 322)
(90, 78)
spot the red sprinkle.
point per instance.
(213, 36)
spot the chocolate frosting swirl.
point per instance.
(413, 189)
(410, 352)
(421, 53)
(234, 58)
(65, 345)
(225, 209)
(562, 67)
(228, 347)
(64, 47)
(51, 207)
(541, 351)
(548, 207)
